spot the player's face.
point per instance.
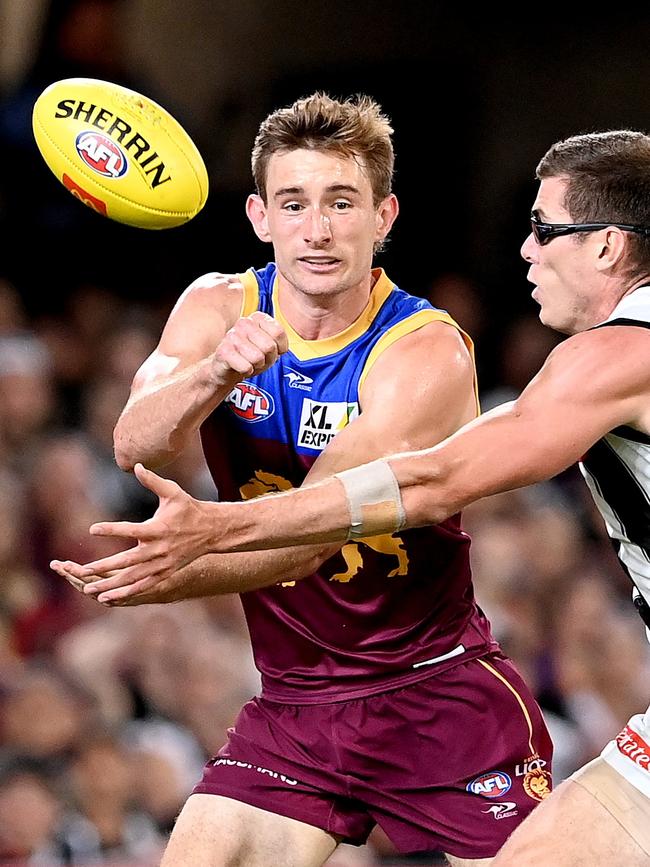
(563, 269)
(321, 219)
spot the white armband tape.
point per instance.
(373, 498)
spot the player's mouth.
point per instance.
(319, 264)
(531, 279)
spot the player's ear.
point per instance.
(386, 215)
(256, 213)
(613, 248)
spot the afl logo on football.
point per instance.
(101, 154)
(250, 403)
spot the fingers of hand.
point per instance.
(121, 560)
(127, 594)
(253, 344)
(120, 578)
(72, 572)
(273, 328)
(124, 529)
(123, 587)
(69, 569)
(77, 583)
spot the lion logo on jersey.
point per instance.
(264, 483)
(391, 545)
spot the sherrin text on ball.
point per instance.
(120, 153)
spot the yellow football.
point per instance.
(120, 153)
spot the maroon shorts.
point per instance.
(453, 762)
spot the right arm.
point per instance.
(204, 350)
(214, 575)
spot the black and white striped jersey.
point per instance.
(617, 471)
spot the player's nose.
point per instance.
(318, 227)
(529, 249)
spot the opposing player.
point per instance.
(589, 257)
(378, 667)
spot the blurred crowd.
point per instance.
(107, 715)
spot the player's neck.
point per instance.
(319, 315)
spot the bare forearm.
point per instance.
(321, 512)
(499, 452)
(312, 514)
(156, 424)
(218, 574)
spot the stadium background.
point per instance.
(476, 98)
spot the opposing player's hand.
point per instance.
(178, 533)
(252, 345)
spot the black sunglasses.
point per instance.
(545, 232)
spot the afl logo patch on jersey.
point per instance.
(101, 154)
(494, 784)
(250, 402)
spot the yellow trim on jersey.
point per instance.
(407, 326)
(523, 707)
(251, 294)
(305, 350)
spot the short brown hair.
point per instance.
(354, 127)
(608, 176)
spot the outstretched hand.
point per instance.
(115, 590)
(177, 534)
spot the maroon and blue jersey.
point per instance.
(382, 612)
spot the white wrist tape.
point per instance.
(374, 500)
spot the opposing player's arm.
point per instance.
(204, 350)
(420, 390)
(590, 384)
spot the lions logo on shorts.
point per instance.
(537, 784)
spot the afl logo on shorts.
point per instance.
(494, 784)
(250, 403)
(537, 784)
(101, 154)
